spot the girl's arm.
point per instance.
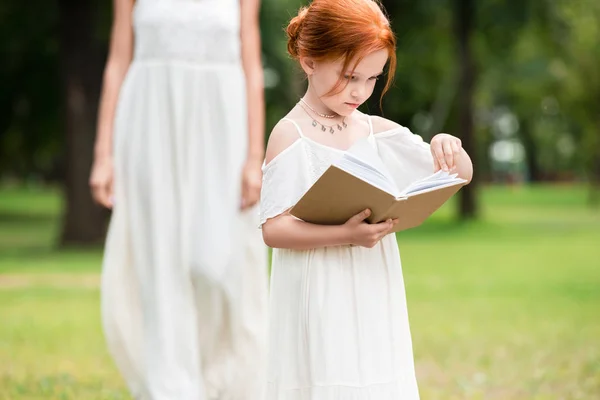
(119, 59)
(446, 150)
(284, 231)
(287, 232)
(449, 155)
(253, 71)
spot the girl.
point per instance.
(184, 283)
(338, 319)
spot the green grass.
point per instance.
(506, 307)
(51, 343)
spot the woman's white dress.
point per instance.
(339, 326)
(184, 285)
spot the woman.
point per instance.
(181, 124)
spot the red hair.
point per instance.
(329, 30)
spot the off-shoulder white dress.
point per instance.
(339, 327)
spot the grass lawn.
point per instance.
(507, 307)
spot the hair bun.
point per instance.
(293, 31)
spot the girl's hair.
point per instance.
(342, 29)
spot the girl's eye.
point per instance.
(348, 77)
(374, 78)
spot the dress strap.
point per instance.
(296, 125)
(370, 125)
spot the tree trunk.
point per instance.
(81, 68)
(464, 15)
(595, 184)
(595, 171)
(530, 147)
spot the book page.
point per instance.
(438, 180)
(362, 161)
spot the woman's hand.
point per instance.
(101, 181)
(251, 184)
(445, 150)
(363, 234)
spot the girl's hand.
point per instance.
(251, 184)
(445, 150)
(101, 181)
(364, 234)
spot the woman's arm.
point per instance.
(251, 61)
(253, 71)
(119, 59)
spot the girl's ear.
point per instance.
(308, 65)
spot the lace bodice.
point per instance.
(199, 31)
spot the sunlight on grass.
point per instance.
(505, 307)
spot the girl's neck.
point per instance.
(315, 102)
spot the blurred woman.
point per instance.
(178, 157)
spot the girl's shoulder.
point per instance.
(392, 132)
(381, 124)
(283, 135)
(385, 128)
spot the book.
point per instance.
(360, 180)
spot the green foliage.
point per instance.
(580, 75)
(30, 94)
(536, 61)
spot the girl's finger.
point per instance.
(436, 164)
(439, 155)
(382, 227)
(389, 230)
(456, 148)
(449, 154)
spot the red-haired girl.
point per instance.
(339, 326)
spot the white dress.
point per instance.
(339, 326)
(184, 285)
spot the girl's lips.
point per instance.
(353, 105)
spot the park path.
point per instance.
(53, 280)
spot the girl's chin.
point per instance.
(343, 109)
(345, 113)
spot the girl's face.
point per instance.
(356, 87)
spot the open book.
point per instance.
(360, 180)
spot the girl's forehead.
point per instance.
(372, 63)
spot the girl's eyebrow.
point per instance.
(358, 73)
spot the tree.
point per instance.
(29, 143)
(81, 61)
(577, 28)
(428, 82)
(463, 29)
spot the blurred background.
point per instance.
(503, 283)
